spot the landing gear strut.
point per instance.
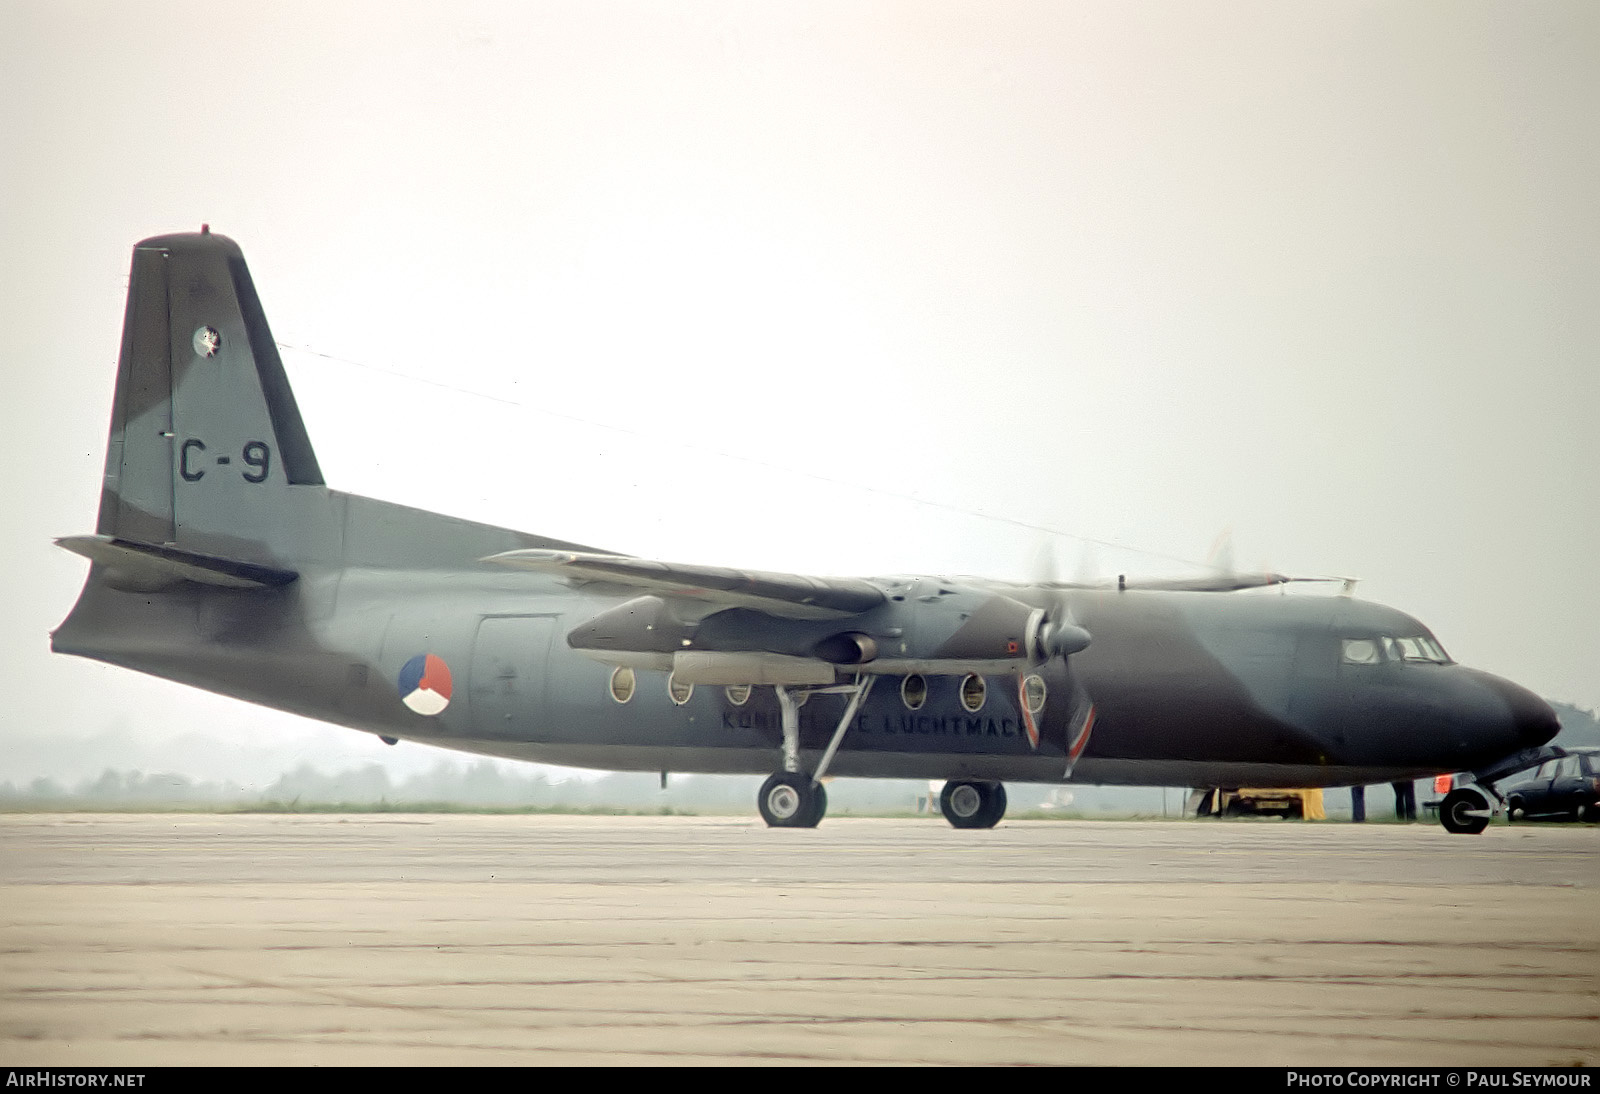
(791, 798)
(973, 804)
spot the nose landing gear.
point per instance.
(1465, 811)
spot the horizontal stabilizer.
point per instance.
(147, 566)
(788, 596)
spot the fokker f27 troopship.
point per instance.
(221, 560)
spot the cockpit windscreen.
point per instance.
(1377, 649)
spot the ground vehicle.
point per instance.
(1258, 801)
(1567, 788)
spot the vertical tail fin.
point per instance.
(207, 452)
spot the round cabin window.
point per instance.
(1033, 693)
(622, 683)
(972, 693)
(913, 692)
(680, 692)
(738, 694)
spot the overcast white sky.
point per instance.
(734, 282)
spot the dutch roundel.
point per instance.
(425, 684)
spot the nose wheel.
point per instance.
(967, 804)
(1465, 811)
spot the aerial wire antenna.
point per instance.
(943, 506)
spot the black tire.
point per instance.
(819, 805)
(972, 804)
(1458, 812)
(791, 800)
(1515, 809)
(997, 805)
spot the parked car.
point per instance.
(1563, 789)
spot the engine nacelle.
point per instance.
(850, 648)
(926, 626)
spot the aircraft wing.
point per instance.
(1213, 583)
(787, 596)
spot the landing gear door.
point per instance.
(510, 673)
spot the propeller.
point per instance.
(1059, 634)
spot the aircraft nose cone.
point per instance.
(1532, 719)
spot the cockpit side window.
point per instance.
(1361, 651)
(1421, 647)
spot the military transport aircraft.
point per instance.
(221, 560)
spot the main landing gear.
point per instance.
(791, 798)
(973, 804)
